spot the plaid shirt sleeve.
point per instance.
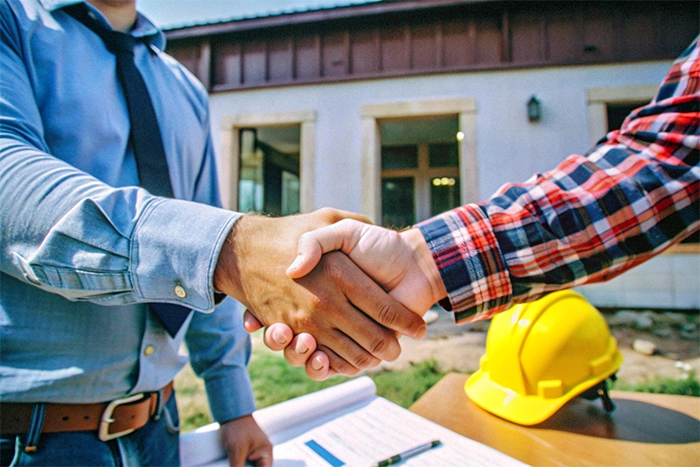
(591, 218)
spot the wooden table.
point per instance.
(645, 429)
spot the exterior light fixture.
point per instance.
(534, 109)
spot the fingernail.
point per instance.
(316, 364)
(279, 337)
(302, 348)
(297, 262)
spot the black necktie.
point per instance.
(145, 135)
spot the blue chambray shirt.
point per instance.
(83, 248)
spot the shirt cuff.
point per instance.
(471, 266)
(231, 396)
(176, 248)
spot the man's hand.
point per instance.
(400, 262)
(350, 316)
(243, 440)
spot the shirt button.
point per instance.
(148, 351)
(180, 291)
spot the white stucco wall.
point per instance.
(509, 147)
(666, 281)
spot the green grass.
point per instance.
(405, 387)
(274, 381)
(682, 387)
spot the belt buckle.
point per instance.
(103, 433)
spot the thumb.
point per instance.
(342, 235)
(309, 253)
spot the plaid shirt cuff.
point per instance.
(472, 268)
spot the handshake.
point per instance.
(333, 290)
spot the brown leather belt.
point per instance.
(110, 419)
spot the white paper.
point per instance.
(380, 430)
(280, 422)
(348, 425)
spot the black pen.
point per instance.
(406, 454)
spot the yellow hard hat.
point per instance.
(542, 354)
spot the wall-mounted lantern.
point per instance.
(534, 109)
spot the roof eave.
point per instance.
(312, 16)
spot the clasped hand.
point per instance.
(399, 262)
(351, 318)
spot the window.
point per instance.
(377, 139)
(420, 169)
(269, 170)
(282, 143)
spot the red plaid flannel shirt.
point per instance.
(591, 218)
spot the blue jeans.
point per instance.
(155, 444)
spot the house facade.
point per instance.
(403, 109)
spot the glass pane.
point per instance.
(402, 132)
(290, 193)
(443, 155)
(400, 157)
(444, 194)
(397, 202)
(269, 175)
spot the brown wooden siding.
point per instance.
(447, 37)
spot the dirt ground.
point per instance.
(459, 348)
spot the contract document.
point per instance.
(347, 425)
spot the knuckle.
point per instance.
(329, 214)
(364, 360)
(341, 366)
(334, 268)
(379, 346)
(387, 314)
(386, 349)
